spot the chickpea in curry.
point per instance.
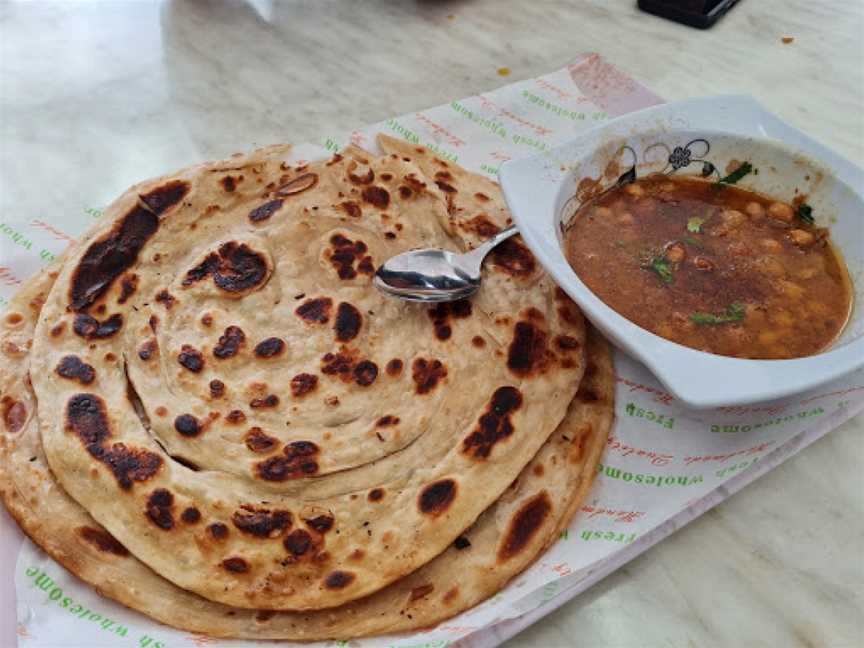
(713, 266)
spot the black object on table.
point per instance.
(696, 13)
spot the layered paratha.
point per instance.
(502, 542)
(222, 389)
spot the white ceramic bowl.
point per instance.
(539, 192)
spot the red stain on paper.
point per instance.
(660, 396)
(8, 277)
(609, 88)
(440, 131)
(842, 392)
(456, 629)
(491, 105)
(562, 569)
(559, 92)
(626, 450)
(53, 231)
(723, 457)
(616, 514)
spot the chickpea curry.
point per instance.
(713, 266)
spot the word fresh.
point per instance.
(609, 536)
(660, 419)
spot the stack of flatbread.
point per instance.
(210, 414)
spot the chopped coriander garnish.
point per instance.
(736, 175)
(662, 268)
(735, 313)
(656, 263)
(805, 213)
(689, 240)
(695, 224)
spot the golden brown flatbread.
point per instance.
(223, 390)
(502, 542)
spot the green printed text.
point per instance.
(491, 125)
(17, 237)
(649, 480)
(55, 594)
(609, 536)
(332, 145)
(728, 470)
(553, 108)
(550, 590)
(530, 141)
(407, 133)
(660, 419)
(780, 420)
(414, 138)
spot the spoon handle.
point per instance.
(479, 253)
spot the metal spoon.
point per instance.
(436, 275)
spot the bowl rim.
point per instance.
(699, 379)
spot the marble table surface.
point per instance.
(138, 88)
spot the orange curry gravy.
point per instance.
(713, 267)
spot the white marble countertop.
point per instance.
(780, 564)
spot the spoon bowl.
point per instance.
(431, 275)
